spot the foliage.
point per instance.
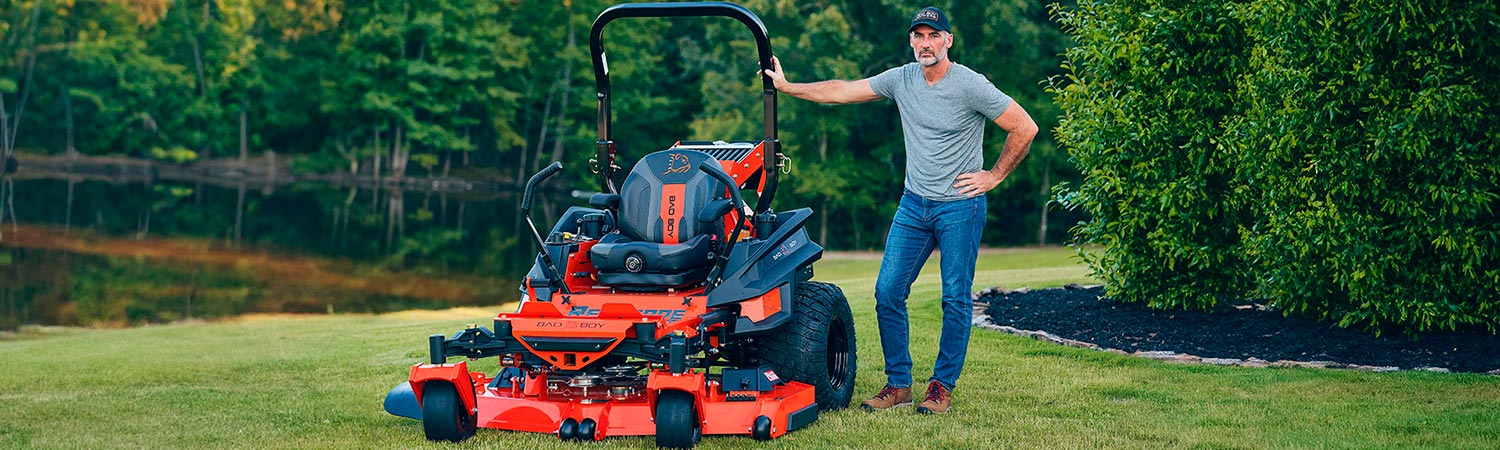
(1377, 174)
(1144, 105)
(1337, 158)
(371, 87)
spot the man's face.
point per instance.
(929, 45)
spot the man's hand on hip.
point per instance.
(976, 183)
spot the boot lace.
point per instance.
(887, 392)
(936, 392)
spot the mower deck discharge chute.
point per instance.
(670, 307)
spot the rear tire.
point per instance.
(677, 420)
(444, 417)
(817, 346)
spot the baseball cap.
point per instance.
(932, 17)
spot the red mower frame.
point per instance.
(748, 345)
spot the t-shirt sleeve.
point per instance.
(887, 82)
(987, 100)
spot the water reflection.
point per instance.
(98, 252)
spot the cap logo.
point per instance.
(926, 14)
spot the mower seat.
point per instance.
(664, 238)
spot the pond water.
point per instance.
(98, 252)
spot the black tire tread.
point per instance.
(676, 420)
(797, 350)
(443, 414)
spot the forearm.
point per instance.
(1017, 145)
(826, 92)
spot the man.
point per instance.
(944, 107)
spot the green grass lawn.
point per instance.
(318, 382)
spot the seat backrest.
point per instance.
(660, 199)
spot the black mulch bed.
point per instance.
(1228, 332)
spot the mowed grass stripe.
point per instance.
(318, 382)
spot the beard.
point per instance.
(928, 60)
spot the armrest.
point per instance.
(715, 210)
(603, 200)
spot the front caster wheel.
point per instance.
(444, 417)
(677, 420)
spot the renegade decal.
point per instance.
(672, 315)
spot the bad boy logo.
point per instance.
(677, 163)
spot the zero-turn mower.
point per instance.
(670, 307)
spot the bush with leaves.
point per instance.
(1337, 158)
(1149, 88)
(1375, 160)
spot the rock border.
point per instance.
(983, 320)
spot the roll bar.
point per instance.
(605, 145)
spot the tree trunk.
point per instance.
(239, 215)
(8, 141)
(342, 146)
(5, 186)
(144, 227)
(854, 220)
(378, 150)
(68, 212)
(14, 126)
(198, 65)
(333, 230)
(542, 135)
(447, 161)
(459, 224)
(822, 204)
(400, 157)
(244, 131)
(466, 154)
(200, 79)
(348, 210)
(823, 223)
(562, 107)
(70, 152)
(4, 138)
(271, 166)
(394, 215)
(1041, 233)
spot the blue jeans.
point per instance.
(921, 225)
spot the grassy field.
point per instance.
(317, 382)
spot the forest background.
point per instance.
(495, 90)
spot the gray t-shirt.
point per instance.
(943, 124)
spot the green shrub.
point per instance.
(1148, 90)
(1374, 131)
(1338, 158)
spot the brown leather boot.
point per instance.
(889, 397)
(939, 398)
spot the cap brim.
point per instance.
(929, 23)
